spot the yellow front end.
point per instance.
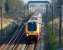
(36, 32)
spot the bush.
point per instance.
(52, 38)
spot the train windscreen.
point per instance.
(32, 26)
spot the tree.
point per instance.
(6, 6)
(14, 7)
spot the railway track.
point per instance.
(13, 46)
(17, 47)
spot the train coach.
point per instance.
(33, 28)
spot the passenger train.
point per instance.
(33, 27)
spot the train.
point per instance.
(33, 27)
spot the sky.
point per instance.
(26, 1)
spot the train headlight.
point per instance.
(27, 34)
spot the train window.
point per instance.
(32, 26)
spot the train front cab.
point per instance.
(33, 31)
